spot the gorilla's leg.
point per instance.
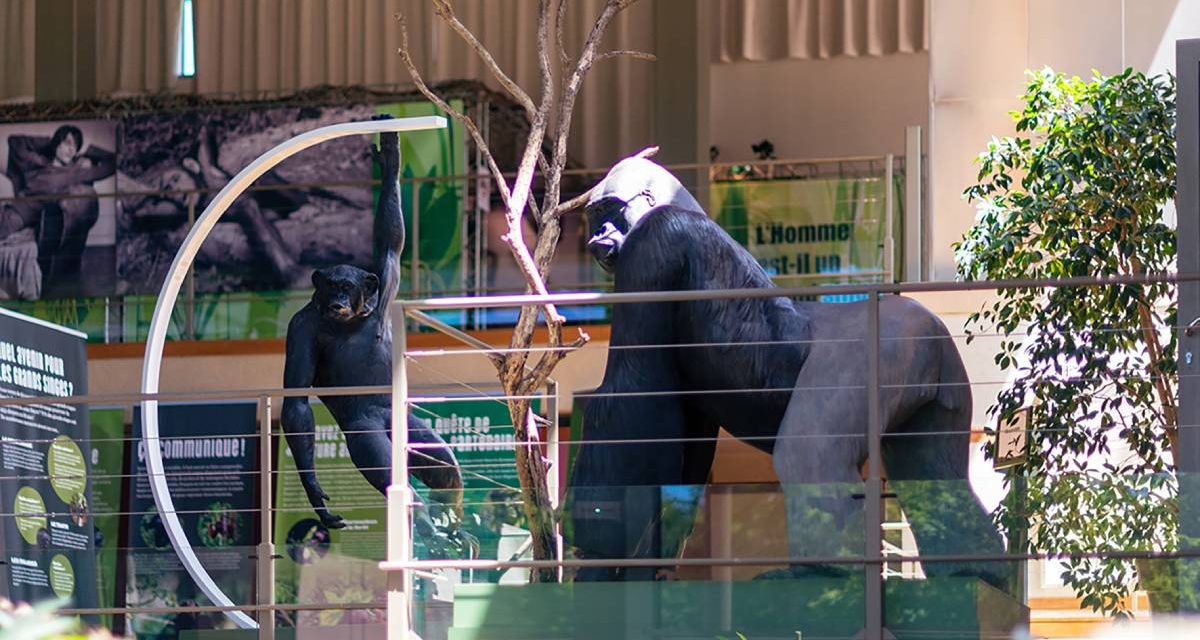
(617, 480)
(370, 447)
(926, 463)
(822, 486)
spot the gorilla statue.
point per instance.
(787, 377)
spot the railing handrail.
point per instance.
(565, 299)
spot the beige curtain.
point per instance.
(16, 50)
(285, 45)
(613, 114)
(136, 46)
(765, 30)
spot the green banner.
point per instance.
(427, 156)
(108, 465)
(800, 230)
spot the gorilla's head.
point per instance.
(344, 293)
(630, 190)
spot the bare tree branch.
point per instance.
(560, 19)
(518, 378)
(566, 106)
(580, 200)
(446, 12)
(520, 194)
(640, 55)
(468, 124)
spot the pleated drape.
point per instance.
(16, 50)
(136, 46)
(765, 30)
(286, 45)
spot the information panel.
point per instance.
(210, 457)
(48, 540)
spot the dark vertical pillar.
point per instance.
(683, 35)
(1188, 208)
(65, 50)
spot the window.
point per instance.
(185, 59)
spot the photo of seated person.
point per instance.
(44, 227)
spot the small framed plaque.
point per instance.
(1012, 441)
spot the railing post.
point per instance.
(265, 561)
(889, 230)
(873, 566)
(553, 484)
(914, 224)
(399, 498)
(416, 238)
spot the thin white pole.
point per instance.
(399, 496)
(266, 545)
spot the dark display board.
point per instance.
(210, 457)
(47, 536)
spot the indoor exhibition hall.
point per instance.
(599, 319)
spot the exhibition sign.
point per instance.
(331, 566)
(108, 474)
(48, 541)
(801, 228)
(210, 458)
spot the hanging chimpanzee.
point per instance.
(341, 338)
(788, 377)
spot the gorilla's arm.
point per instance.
(299, 372)
(617, 487)
(389, 225)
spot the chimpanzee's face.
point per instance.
(345, 293)
(609, 225)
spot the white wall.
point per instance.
(979, 50)
(818, 108)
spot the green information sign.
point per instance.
(108, 466)
(341, 565)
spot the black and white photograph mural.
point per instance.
(61, 245)
(313, 210)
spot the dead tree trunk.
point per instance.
(519, 377)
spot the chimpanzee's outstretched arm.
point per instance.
(389, 224)
(299, 372)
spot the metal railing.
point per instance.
(401, 562)
(404, 567)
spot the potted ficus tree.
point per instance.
(1083, 189)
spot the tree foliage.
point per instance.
(1080, 190)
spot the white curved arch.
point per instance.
(152, 362)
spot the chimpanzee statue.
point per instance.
(343, 337)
